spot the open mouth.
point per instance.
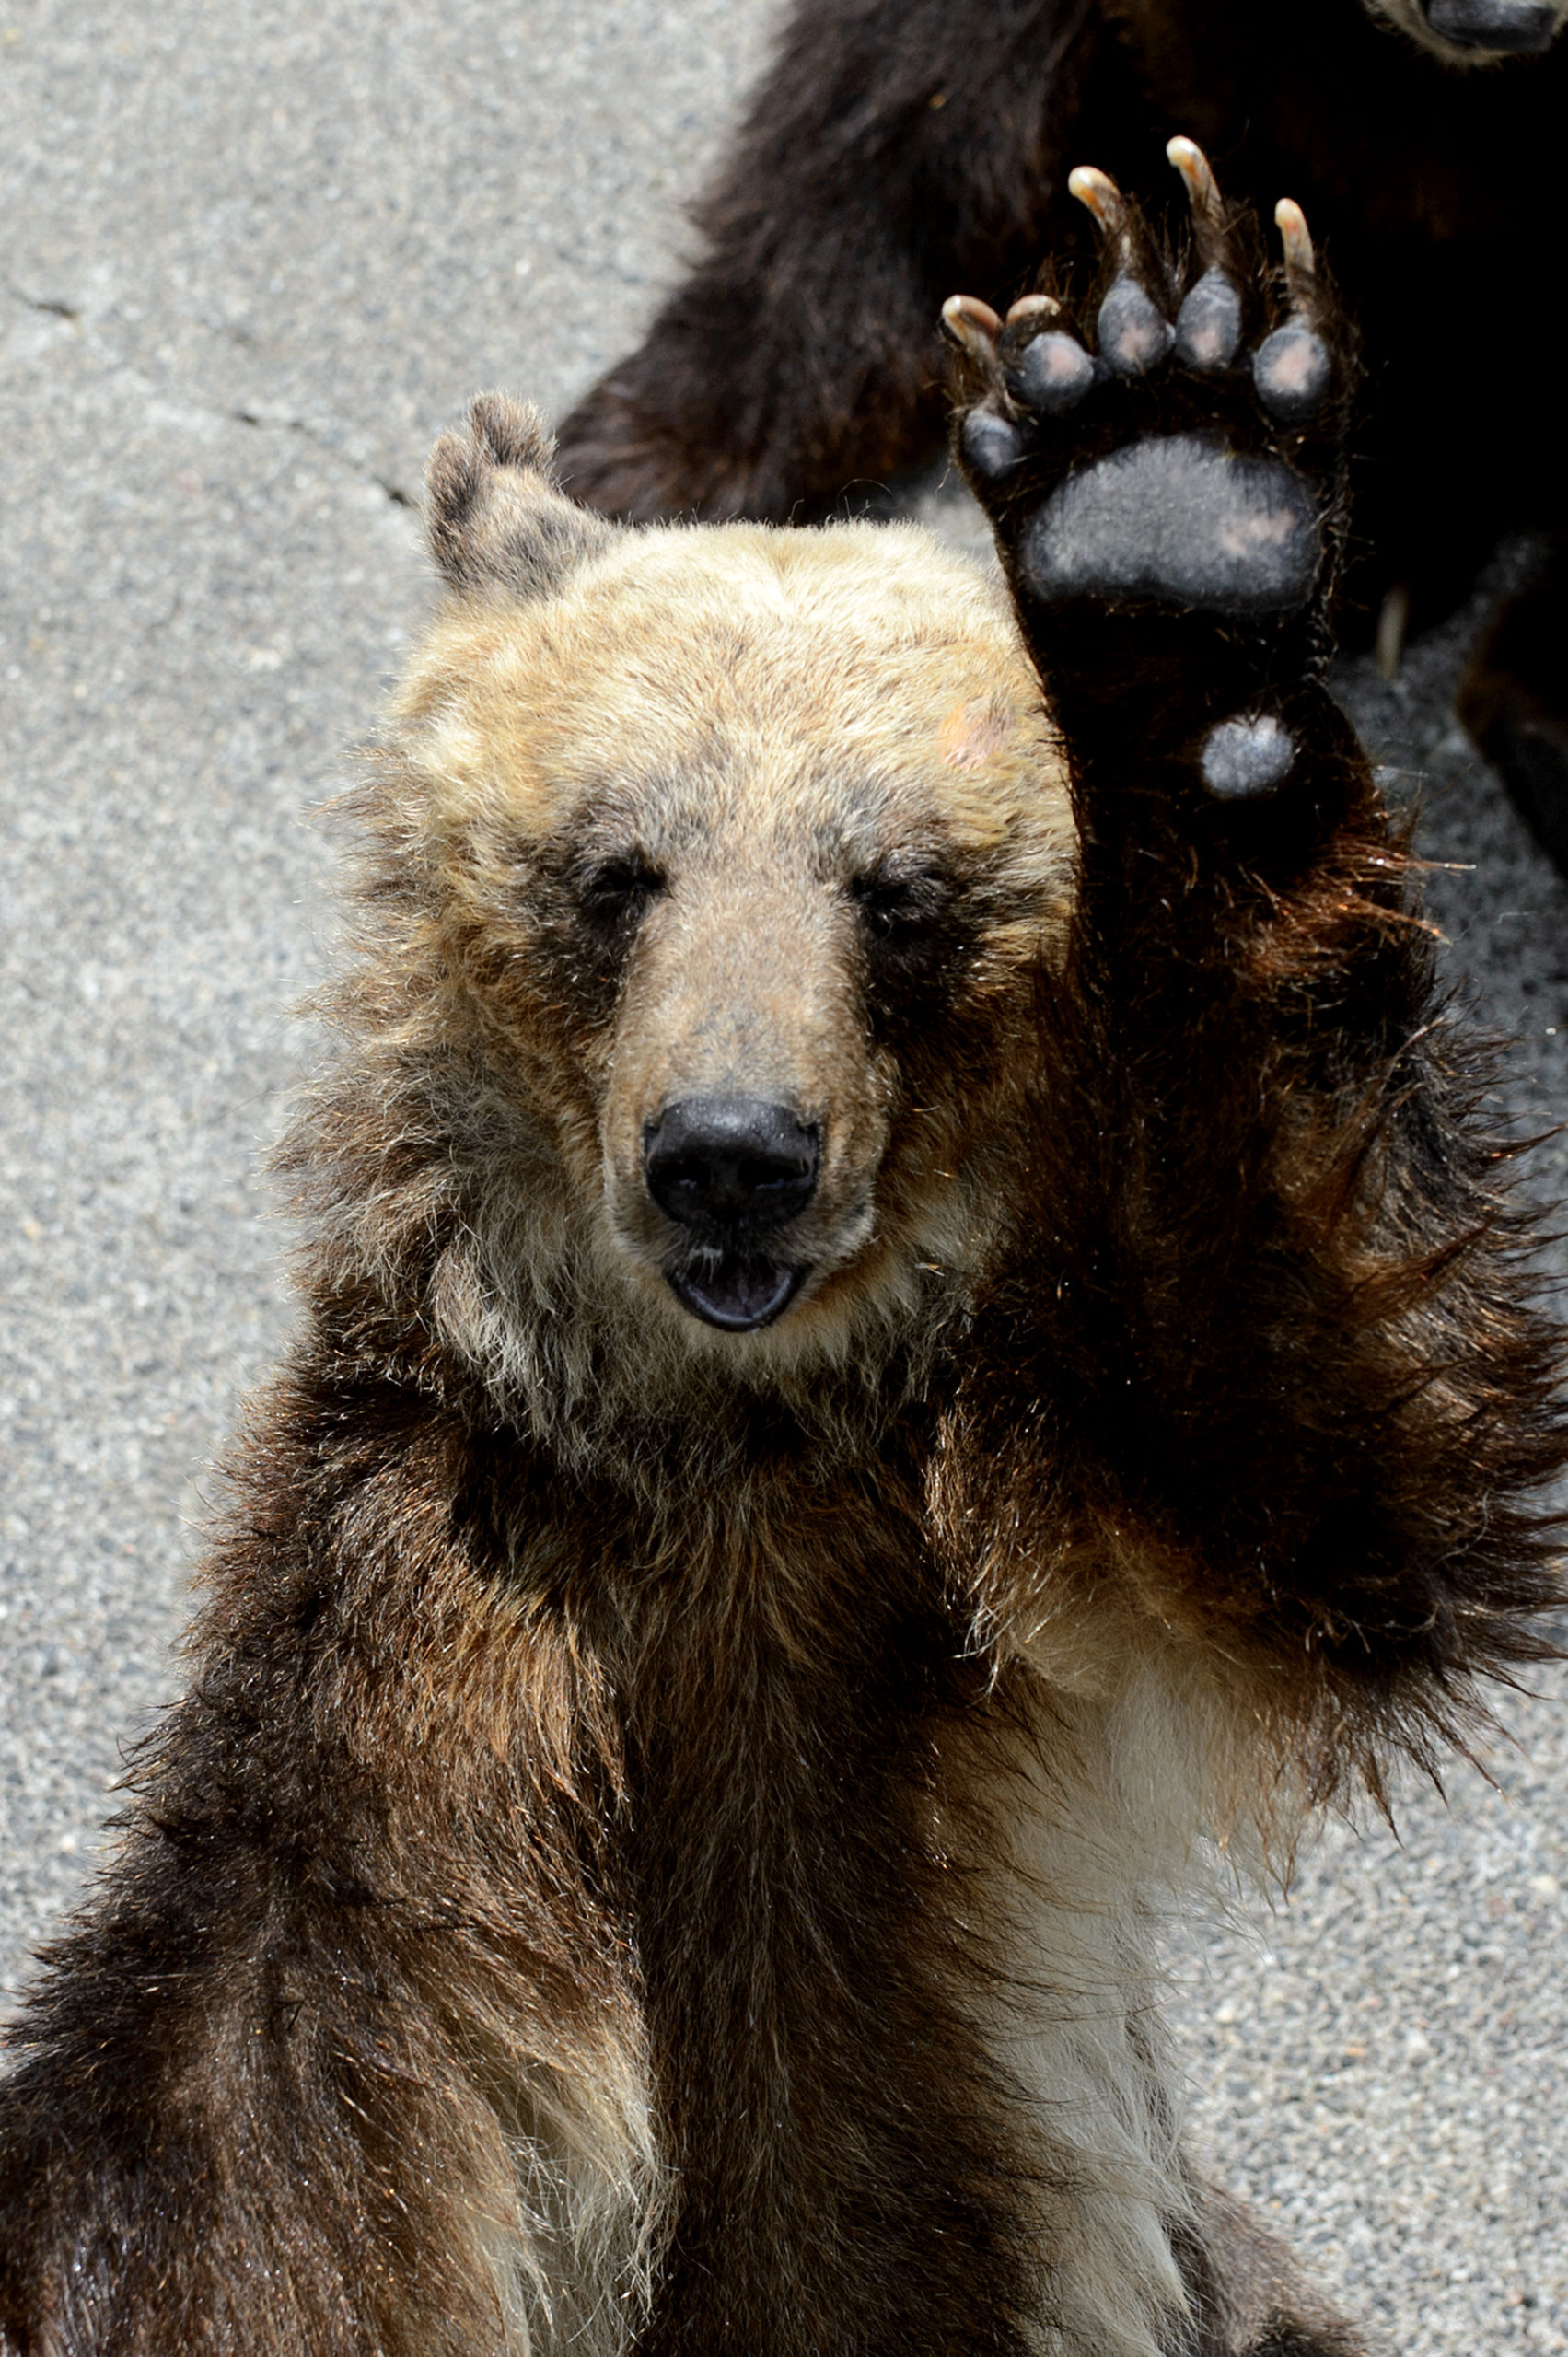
(737, 1291)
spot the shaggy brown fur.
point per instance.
(901, 148)
(665, 1844)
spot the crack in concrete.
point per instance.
(393, 492)
(390, 491)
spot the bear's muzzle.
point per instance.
(732, 1171)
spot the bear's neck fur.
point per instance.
(798, 1824)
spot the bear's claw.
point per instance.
(1148, 468)
(972, 324)
(1209, 225)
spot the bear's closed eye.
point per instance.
(901, 909)
(618, 890)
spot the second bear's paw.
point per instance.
(1186, 455)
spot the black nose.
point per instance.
(1524, 27)
(730, 1164)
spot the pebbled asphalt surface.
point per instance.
(253, 260)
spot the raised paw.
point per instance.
(1183, 453)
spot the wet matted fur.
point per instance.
(720, 1665)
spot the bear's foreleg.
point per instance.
(1264, 1361)
(347, 2059)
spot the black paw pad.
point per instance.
(1208, 326)
(1134, 335)
(1249, 755)
(1292, 372)
(1155, 461)
(1514, 27)
(1181, 522)
(991, 444)
(1053, 375)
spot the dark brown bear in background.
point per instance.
(901, 148)
(908, 1324)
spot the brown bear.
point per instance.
(900, 149)
(908, 1323)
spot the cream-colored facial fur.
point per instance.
(759, 719)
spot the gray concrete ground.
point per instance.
(253, 260)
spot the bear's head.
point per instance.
(716, 874)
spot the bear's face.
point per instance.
(745, 851)
(1476, 32)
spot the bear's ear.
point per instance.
(495, 516)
